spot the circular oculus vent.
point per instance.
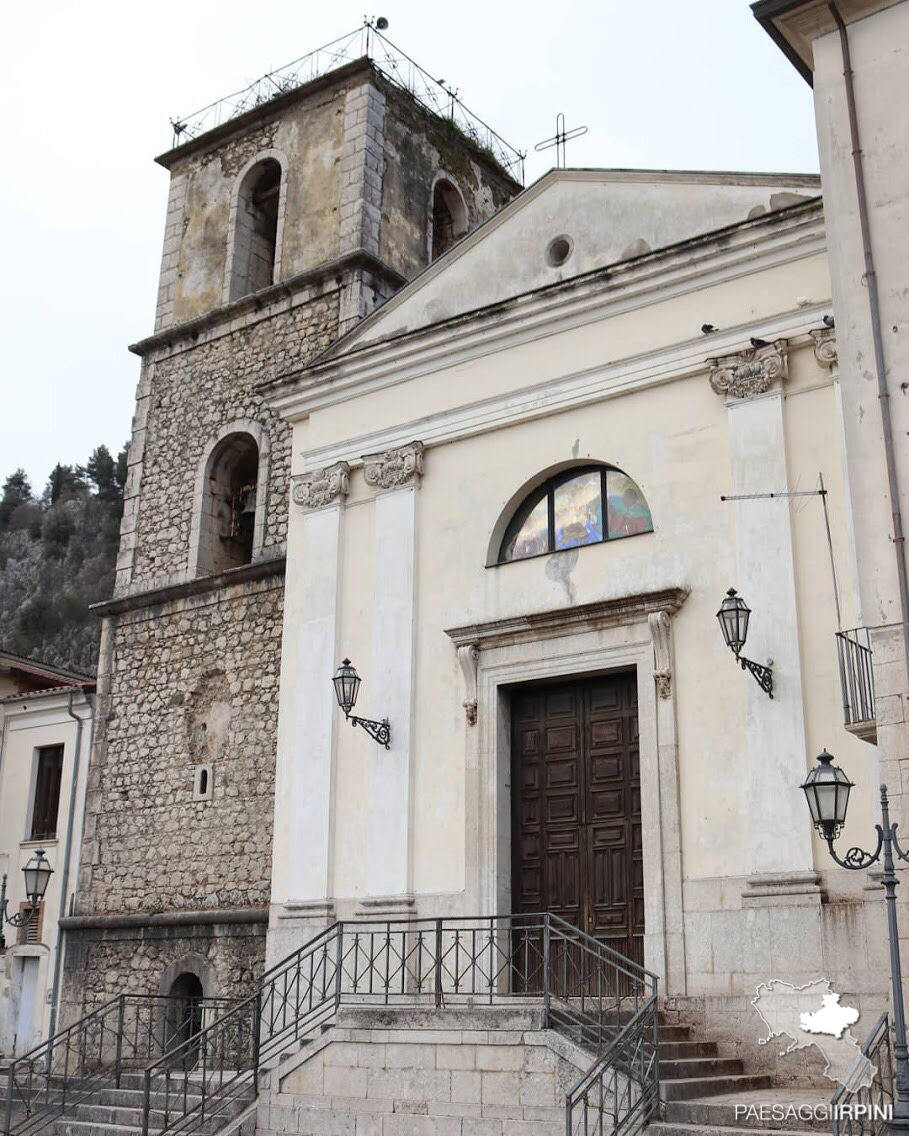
(558, 251)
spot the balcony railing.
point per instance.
(857, 682)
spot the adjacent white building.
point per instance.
(45, 731)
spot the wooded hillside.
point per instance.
(57, 556)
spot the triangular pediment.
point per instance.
(603, 216)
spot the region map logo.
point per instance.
(812, 1015)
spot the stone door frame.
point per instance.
(630, 632)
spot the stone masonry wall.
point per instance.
(481, 1072)
(418, 148)
(103, 963)
(185, 398)
(192, 682)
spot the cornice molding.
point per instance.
(262, 305)
(580, 388)
(693, 265)
(751, 372)
(567, 621)
(214, 916)
(197, 586)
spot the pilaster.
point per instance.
(389, 872)
(781, 868)
(304, 783)
(362, 161)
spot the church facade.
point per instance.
(521, 491)
(505, 453)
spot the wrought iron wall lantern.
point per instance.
(347, 687)
(37, 874)
(733, 615)
(827, 789)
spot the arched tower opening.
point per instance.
(255, 244)
(449, 217)
(228, 522)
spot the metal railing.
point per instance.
(603, 1001)
(435, 95)
(620, 1091)
(123, 1034)
(859, 1108)
(856, 675)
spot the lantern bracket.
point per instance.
(857, 858)
(22, 918)
(379, 731)
(763, 675)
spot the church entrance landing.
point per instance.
(576, 806)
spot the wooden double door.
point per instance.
(576, 807)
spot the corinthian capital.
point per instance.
(321, 487)
(749, 372)
(395, 467)
(825, 345)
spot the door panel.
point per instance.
(576, 807)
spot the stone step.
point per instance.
(714, 1114)
(70, 1126)
(132, 1098)
(674, 1033)
(341, 1116)
(127, 1117)
(680, 1050)
(688, 1088)
(668, 1128)
(675, 1068)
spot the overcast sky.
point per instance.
(88, 90)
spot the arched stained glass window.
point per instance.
(585, 505)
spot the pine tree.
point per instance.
(57, 558)
(16, 491)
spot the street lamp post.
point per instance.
(37, 874)
(827, 790)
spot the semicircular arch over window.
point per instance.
(584, 505)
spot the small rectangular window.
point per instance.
(47, 793)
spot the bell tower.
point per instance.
(290, 217)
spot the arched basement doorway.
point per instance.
(183, 1020)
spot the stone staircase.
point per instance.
(485, 1071)
(451, 1072)
(704, 1094)
(105, 1110)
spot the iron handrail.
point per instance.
(91, 1053)
(398, 68)
(635, 1058)
(587, 991)
(870, 1120)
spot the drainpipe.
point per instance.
(58, 955)
(877, 339)
(4, 718)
